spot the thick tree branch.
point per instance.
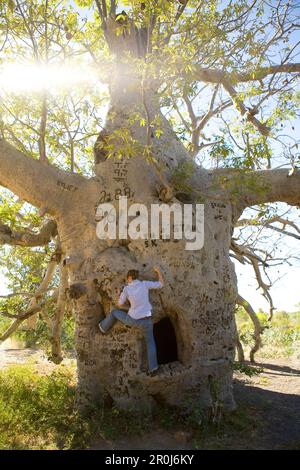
(101, 7)
(104, 9)
(217, 76)
(112, 10)
(44, 186)
(26, 238)
(248, 188)
(265, 71)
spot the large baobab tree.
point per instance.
(173, 68)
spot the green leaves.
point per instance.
(37, 405)
(181, 175)
(11, 5)
(84, 3)
(221, 150)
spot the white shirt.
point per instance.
(137, 292)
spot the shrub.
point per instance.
(280, 338)
(36, 411)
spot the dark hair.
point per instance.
(133, 273)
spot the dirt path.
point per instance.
(11, 352)
(272, 398)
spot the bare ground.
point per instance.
(272, 399)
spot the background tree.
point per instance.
(191, 84)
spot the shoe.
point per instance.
(101, 329)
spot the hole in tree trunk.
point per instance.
(165, 339)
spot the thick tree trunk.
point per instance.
(198, 299)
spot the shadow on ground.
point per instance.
(272, 399)
(278, 415)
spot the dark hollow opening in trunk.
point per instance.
(165, 339)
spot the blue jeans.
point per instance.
(145, 324)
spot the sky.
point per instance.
(285, 292)
(284, 274)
